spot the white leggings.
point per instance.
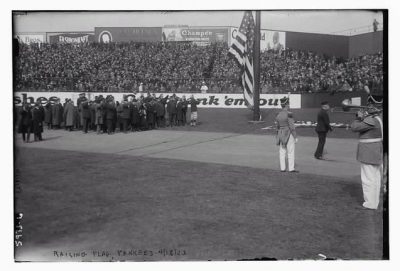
(289, 152)
(371, 176)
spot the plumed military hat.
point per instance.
(284, 101)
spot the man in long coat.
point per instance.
(57, 114)
(69, 115)
(25, 121)
(135, 116)
(99, 117)
(111, 114)
(125, 114)
(322, 128)
(85, 111)
(37, 121)
(171, 109)
(47, 115)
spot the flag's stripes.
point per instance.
(242, 51)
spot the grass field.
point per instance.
(207, 193)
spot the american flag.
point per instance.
(242, 50)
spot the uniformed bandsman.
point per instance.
(370, 154)
(286, 136)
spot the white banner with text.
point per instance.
(207, 100)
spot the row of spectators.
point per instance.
(181, 67)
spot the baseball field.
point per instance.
(210, 192)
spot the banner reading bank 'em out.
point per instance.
(209, 100)
(126, 34)
(70, 37)
(200, 36)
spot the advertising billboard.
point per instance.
(126, 34)
(30, 38)
(199, 36)
(70, 37)
(272, 40)
(269, 39)
(207, 100)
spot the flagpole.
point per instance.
(256, 62)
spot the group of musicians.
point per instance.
(368, 124)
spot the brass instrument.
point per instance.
(360, 110)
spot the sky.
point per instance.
(322, 21)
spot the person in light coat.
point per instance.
(286, 136)
(69, 112)
(370, 155)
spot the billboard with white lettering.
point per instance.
(199, 36)
(127, 34)
(70, 37)
(30, 38)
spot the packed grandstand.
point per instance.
(182, 67)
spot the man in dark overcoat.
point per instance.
(322, 128)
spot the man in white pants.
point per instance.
(286, 136)
(370, 155)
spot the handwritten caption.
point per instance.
(18, 229)
(119, 254)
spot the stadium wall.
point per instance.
(368, 43)
(331, 45)
(313, 100)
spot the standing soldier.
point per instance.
(184, 109)
(37, 121)
(81, 99)
(135, 116)
(110, 115)
(126, 113)
(57, 114)
(85, 112)
(193, 110)
(286, 136)
(160, 112)
(69, 112)
(99, 114)
(179, 112)
(25, 121)
(171, 109)
(47, 115)
(370, 154)
(92, 108)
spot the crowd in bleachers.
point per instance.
(181, 67)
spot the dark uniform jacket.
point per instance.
(126, 110)
(37, 119)
(110, 111)
(171, 106)
(85, 110)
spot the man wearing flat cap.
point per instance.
(322, 128)
(286, 136)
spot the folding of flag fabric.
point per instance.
(242, 50)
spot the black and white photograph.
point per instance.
(200, 135)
